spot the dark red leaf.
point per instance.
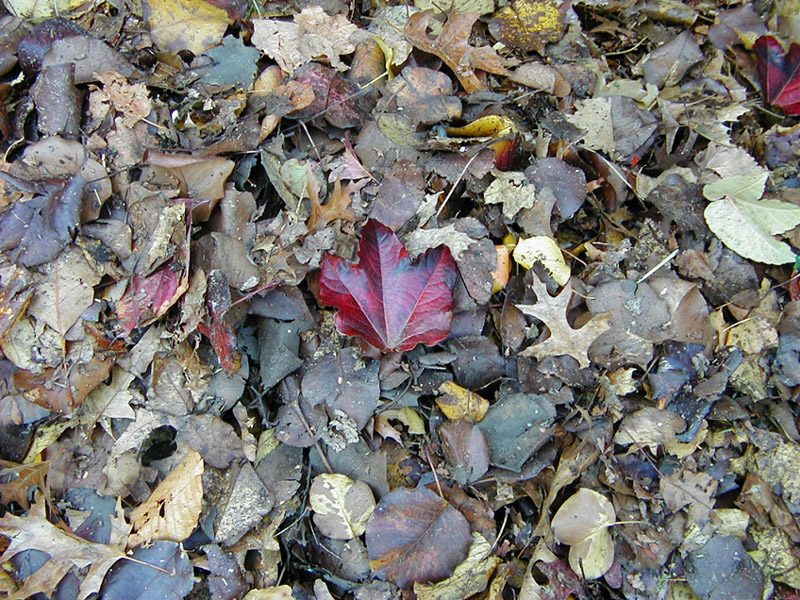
(414, 536)
(148, 298)
(391, 302)
(779, 73)
(220, 332)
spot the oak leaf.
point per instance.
(564, 339)
(66, 550)
(452, 46)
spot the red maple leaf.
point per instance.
(779, 73)
(391, 302)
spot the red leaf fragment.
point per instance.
(220, 332)
(390, 301)
(148, 298)
(779, 73)
(414, 536)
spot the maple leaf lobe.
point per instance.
(386, 299)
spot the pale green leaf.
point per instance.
(745, 228)
(740, 187)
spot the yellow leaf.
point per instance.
(193, 25)
(457, 402)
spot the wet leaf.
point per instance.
(341, 506)
(466, 449)
(171, 579)
(386, 299)
(414, 536)
(779, 73)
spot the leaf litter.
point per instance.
(446, 301)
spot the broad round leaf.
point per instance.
(414, 536)
(583, 514)
(341, 506)
(593, 556)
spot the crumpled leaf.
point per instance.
(386, 299)
(33, 232)
(779, 73)
(414, 536)
(552, 311)
(582, 523)
(313, 34)
(66, 550)
(341, 506)
(173, 509)
(452, 46)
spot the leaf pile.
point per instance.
(445, 300)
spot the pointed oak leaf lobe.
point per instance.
(388, 300)
(779, 73)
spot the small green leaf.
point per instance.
(740, 187)
(747, 227)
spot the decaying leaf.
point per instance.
(172, 511)
(386, 299)
(194, 25)
(313, 34)
(414, 536)
(544, 251)
(341, 506)
(65, 549)
(529, 25)
(552, 311)
(469, 577)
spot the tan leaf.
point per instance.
(172, 510)
(66, 290)
(66, 550)
(452, 46)
(313, 34)
(552, 311)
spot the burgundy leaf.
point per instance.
(779, 73)
(148, 298)
(391, 302)
(414, 536)
(219, 331)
